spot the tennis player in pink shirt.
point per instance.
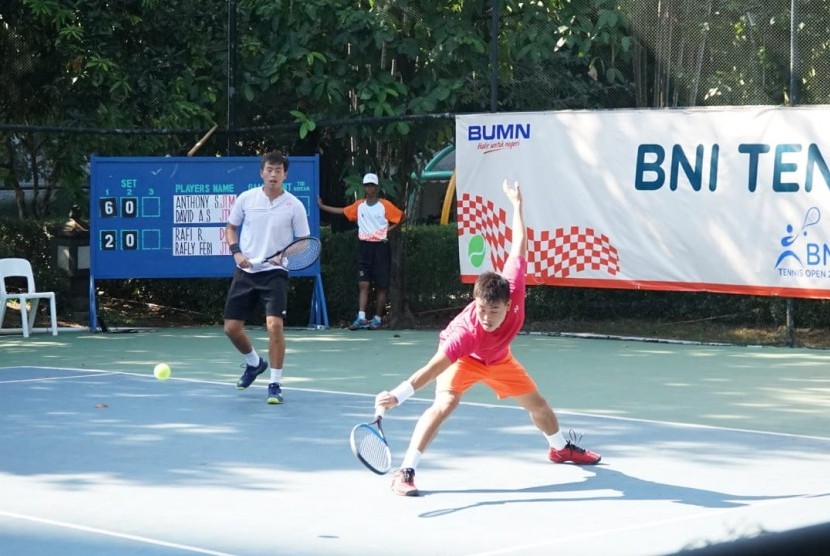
(475, 347)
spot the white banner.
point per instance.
(733, 200)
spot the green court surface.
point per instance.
(701, 445)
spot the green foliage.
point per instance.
(201, 300)
(432, 268)
(33, 241)
(727, 53)
(333, 61)
(339, 272)
(100, 78)
(28, 239)
(435, 292)
(163, 65)
(86, 64)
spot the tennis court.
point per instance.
(700, 444)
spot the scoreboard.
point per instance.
(165, 217)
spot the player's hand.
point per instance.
(319, 201)
(241, 260)
(386, 400)
(514, 193)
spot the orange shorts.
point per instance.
(506, 377)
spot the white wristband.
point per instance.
(402, 391)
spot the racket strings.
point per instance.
(373, 449)
(301, 254)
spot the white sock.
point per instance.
(276, 375)
(556, 440)
(378, 318)
(252, 358)
(411, 459)
(361, 315)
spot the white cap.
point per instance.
(370, 178)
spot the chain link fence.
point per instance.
(685, 53)
(644, 54)
(652, 54)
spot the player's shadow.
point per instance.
(624, 487)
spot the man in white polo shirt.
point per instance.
(272, 219)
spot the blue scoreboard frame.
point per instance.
(165, 217)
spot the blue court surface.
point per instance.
(115, 462)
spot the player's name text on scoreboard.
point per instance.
(198, 241)
(202, 209)
(204, 188)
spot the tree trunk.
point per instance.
(11, 180)
(31, 147)
(698, 62)
(400, 315)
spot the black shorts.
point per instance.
(247, 289)
(374, 261)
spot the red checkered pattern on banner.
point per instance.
(569, 251)
(479, 217)
(549, 254)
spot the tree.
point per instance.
(387, 69)
(147, 64)
(731, 52)
(28, 65)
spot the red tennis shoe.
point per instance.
(573, 453)
(403, 483)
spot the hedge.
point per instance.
(430, 279)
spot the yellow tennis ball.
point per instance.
(162, 371)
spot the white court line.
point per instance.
(100, 372)
(540, 545)
(584, 536)
(109, 533)
(50, 378)
(565, 412)
(54, 369)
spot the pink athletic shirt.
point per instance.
(465, 336)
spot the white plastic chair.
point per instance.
(22, 268)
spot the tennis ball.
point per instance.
(476, 251)
(162, 371)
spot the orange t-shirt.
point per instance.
(373, 220)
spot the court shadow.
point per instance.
(605, 479)
(71, 428)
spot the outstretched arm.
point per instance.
(420, 378)
(519, 243)
(326, 208)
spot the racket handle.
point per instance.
(380, 411)
(259, 260)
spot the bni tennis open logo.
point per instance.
(797, 251)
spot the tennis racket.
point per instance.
(297, 255)
(369, 445)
